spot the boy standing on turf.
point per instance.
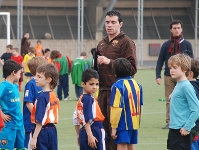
(125, 105)
(184, 105)
(12, 135)
(31, 93)
(88, 114)
(192, 77)
(45, 112)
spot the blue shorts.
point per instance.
(47, 138)
(127, 136)
(11, 138)
(27, 139)
(98, 132)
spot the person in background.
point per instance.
(27, 57)
(115, 45)
(19, 59)
(39, 49)
(79, 65)
(7, 55)
(90, 60)
(63, 65)
(175, 45)
(47, 55)
(25, 44)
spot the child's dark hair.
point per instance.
(83, 54)
(36, 62)
(54, 54)
(122, 68)
(9, 46)
(49, 71)
(89, 74)
(195, 68)
(115, 13)
(47, 50)
(10, 66)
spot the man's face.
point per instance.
(176, 29)
(27, 35)
(112, 25)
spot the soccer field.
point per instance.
(151, 136)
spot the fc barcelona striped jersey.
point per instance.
(125, 102)
(46, 109)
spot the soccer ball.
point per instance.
(47, 36)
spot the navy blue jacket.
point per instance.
(185, 47)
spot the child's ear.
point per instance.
(49, 80)
(83, 84)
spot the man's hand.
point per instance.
(158, 81)
(113, 133)
(103, 60)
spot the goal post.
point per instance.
(7, 14)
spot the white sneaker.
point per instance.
(67, 98)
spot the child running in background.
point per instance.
(125, 106)
(47, 55)
(27, 57)
(79, 65)
(184, 105)
(38, 49)
(88, 114)
(7, 55)
(12, 135)
(19, 59)
(192, 77)
(31, 93)
(63, 65)
(45, 111)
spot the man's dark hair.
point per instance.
(89, 74)
(114, 13)
(175, 22)
(10, 66)
(47, 50)
(195, 68)
(122, 68)
(9, 46)
(49, 71)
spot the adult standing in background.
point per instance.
(25, 44)
(175, 45)
(116, 44)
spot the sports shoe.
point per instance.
(67, 98)
(166, 126)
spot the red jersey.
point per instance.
(18, 59)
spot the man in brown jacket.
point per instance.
(116, 44)
(25, 44)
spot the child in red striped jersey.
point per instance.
(45, 110)
(125, 106)
(88, 114)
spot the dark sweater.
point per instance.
(185, 48)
